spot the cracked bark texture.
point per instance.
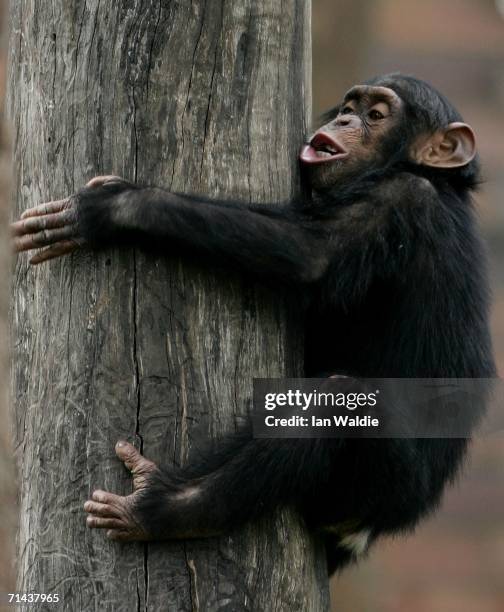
(201, 97)
(7, 491)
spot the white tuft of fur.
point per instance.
(356, 542)
(188, 493)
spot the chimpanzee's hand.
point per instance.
(58, 225)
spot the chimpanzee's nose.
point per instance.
(343, 120)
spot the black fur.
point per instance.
(392, 270)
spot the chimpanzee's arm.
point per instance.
(276, 246)
(295, 246)
(271, 246)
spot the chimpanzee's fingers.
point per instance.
(47, 208)
(32, 225)
(97, 181)
(43, 238)
(65, 247)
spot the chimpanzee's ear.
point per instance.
(453, 147)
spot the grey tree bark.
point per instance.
(203, 97)
(7, 488)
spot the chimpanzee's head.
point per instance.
(391, 120)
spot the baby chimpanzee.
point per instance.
(387, 252)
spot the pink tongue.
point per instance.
(309, 155)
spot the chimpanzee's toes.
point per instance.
(133, 460)
(97, 181)
(123, 535)
(103, 510)
(117, 514)
(106, 498)
(104, 523)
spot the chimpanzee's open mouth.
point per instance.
(322, 148)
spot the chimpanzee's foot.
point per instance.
(118, 514)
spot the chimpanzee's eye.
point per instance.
(375, 115)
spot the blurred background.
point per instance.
(455, 561)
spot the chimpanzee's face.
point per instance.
(354, 139)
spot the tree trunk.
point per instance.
(7, 496)
(204, 97)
